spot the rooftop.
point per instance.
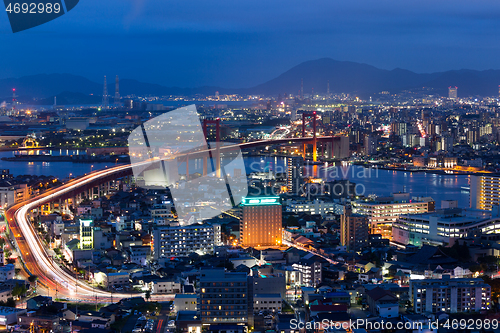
(185, 295)
(5, 310)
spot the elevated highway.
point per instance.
(36, 257)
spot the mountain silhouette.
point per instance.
(343, 77)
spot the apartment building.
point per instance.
(484, 192)
(223, 297)
(180, 241)
(450, 295)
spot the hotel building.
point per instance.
(261, 223)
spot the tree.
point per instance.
(10, 303)
(147, 295)
(2, 242)
(33, 278)
(19, 290)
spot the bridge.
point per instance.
(35, 256)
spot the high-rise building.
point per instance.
(446, 142)
(484, 192)
(261, 223)
(452, 92)
(223, 297)
(86, 234)
(400, 129)
(353, 231)
(180, 241)
(450, 295)
(472, 135)
(370, 145)
(294, 173)
(340, 147)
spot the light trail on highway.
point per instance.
(38, 261)
(36, 258)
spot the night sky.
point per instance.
(241, 43)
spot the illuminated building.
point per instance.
(5, 174)
(443, 227)
(472, 135)
(484, 192)
(261, 222)
(452, 92)
(450, 295)
(317, 206)
(446, 142)
(223, 297)
(9, 316)
(11, 194)
(311, 270)
(353, 231)
(294, 174)
(86, 234)
(400, 129)
(180, 241)
(384, 211)
(370, 145)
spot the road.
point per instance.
(299, 247)
(35, 256)
(52, 277)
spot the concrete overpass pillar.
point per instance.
(333, 145)
(205, 166)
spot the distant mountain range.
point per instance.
(343, 76)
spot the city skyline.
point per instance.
(250, 166)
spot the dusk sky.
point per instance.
(244, 43)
